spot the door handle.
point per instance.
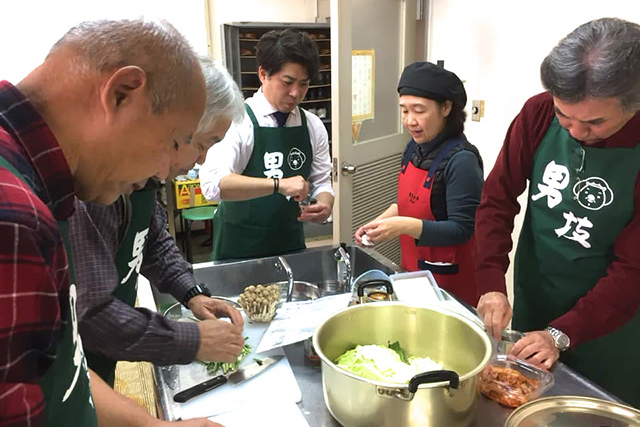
(348, 169)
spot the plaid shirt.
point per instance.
(96, 234)
(34, 283)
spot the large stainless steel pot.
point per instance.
(431, 400)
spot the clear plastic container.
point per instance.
(513, 382)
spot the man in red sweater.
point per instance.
(577, 266)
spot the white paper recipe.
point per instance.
(296, 321)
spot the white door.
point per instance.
(382, 34)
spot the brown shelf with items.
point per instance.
(308, 101)
(310, 87)
(240, 41)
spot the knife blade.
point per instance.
(235, 377)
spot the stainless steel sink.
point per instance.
(317, 266)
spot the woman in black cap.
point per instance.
(439, 186)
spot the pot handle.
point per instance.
(434, 377)
(374, 282)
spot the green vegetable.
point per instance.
(396, 347)
(384, 364)
(213, 367)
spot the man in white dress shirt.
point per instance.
(277, 157)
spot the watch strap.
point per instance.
(560, 339)
(199, 289)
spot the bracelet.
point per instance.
(276, 185)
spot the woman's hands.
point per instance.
(385, 229)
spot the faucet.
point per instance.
(345, 272)
(282, 264)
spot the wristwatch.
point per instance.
(199, 289)
(560, 339)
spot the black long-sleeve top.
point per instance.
(456, 191)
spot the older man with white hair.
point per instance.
(102, 113)
(113, 244)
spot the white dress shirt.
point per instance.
(232, 154)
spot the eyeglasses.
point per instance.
(578, 159)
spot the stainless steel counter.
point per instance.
(488, 412)
(319, 266)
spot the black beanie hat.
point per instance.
(428, 80)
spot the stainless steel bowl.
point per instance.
(177, 310)
(304, 291)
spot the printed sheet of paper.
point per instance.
(362, 84)
(296, 321)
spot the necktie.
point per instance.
(281, 118)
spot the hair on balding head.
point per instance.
(224, 99)
(155, 46)
(599, 59)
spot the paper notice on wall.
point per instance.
(296, 321)
(362, 85)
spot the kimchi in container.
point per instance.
(513, 382)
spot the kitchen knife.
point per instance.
(236, 377)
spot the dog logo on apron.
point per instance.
(593, 193)
(296, 159)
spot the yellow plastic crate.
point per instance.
(189, 194)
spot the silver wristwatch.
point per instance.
(560, 339)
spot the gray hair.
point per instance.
(155, 46)
(224, 99)
(599, 59)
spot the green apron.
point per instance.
(128, 261)
(66, 385)
(580, 199)
(267, 225)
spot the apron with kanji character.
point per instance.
(580, 199)
(128, 261)
(66, 385)
(266, 225)
(451, 266)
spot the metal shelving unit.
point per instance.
(240, 40)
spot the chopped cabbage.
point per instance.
(380, 363)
